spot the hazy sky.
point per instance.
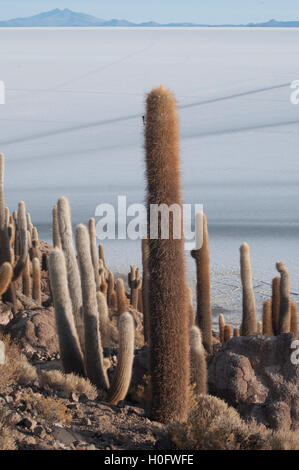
(198, 11)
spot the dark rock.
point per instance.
(255, 374)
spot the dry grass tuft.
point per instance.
(69, 383)
(16, 370)
(7, 441)
(213, 425)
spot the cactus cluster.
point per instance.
(81, 307)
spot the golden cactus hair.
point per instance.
(70, 351)
(284, 310)
(267, 318)
(202, 259)
(123, 372)
(168, 301)
(198, 365)
(93, 352)
(249, 320)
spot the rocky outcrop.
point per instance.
(35, 331)
(256, 375)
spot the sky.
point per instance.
(196, 11)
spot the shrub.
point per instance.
(69, 383)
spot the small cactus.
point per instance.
(94, 252)
(275, 304)
(285, 310)
(55, 229)
(122, 301)
(36, 281)
(267, 318)
(134, 284)
(249, 325)
(221, 328)
(198, 365)
(236, 332)
(122, 375)
(294, 318)
(204, 310)
(227, 333)
(104, 321)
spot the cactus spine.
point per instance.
(285, 310)
(267, 318)
(198, 365)
(71, 355)
(66, 236)
(36, 281)
(204, 310)
(93, 347)
(169, 338)
(249, 321)
(123, 372)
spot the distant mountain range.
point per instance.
(68, 18)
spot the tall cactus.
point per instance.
(70, 351)
(122, 375)
(285, 308)
(169, 338)
(275, 304)
(204, 310)
(198, 362)
(227, 333)
(26, 279)
(93, 346)
(221, 327)
(249, 320)
(66, 236)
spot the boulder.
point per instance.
(256, 375)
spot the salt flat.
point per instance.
(72, 125)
